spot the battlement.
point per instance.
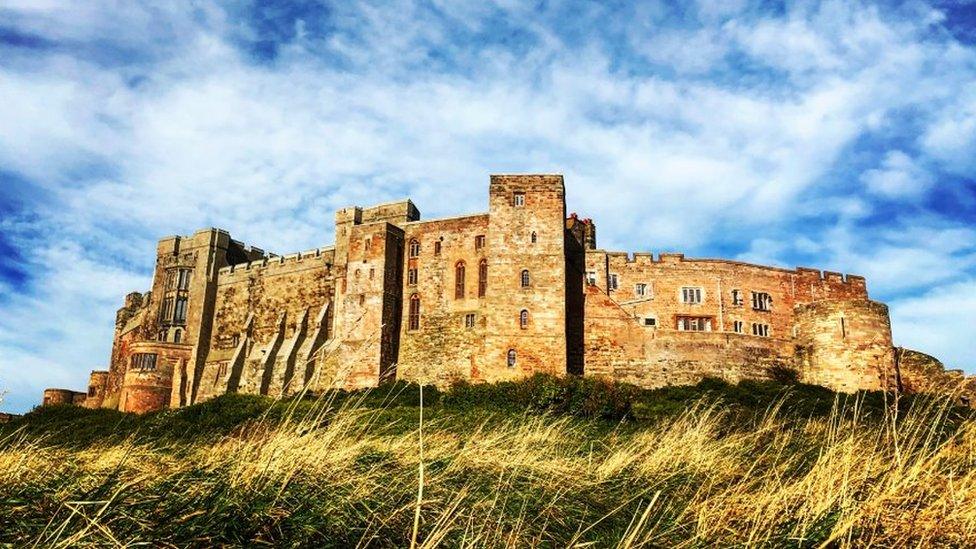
(275, 262)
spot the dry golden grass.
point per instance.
(344, 478)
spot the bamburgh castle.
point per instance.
(521, 289)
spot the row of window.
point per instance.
(460, 272)
(413, 248)
(144, 362)
(470, 319)
(704, 324)
(761, 301)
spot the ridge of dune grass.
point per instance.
(542, 462)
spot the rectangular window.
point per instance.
(614, 282)
(640, 290)
(166, 311)
(650, 321)
(737, 298)
(591, 278)
(761, 330)
(519, 200)
(412, 277)
(144, 362)
(479, 242)
(437, 247)
(694, 324)
(469, 320)
(690, 295)
(761, 301)
(180, 315)
(170, 280)
(737, 326)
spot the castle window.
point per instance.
(414, 248)
(525, 279)
(362, 299)
(171, 280)
(761, 301)
(166, 310)
(479, 242)
(459, 280)
(843, 328)
(144, 362)
(614, 282)
(91, 391)
(737, 298)
(437, 247)
(180, 315)
(412, 277)
(469, 320)
(511, 358)
(692, 296)
(368, 244)
(235, 341)
(737, 326)
(413, 318)
(761, 330)
(694, 324)
(524, 319)
(640, 289)
(482, 277)
(591, 278)
(519, 199)
(162, 335)
(177, 336)
(650, 321)
(535, 237)
(183, 280)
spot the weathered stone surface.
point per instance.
(492, 296)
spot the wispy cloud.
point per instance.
(834, 134)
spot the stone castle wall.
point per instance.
(537, 296)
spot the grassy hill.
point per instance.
(541, 462)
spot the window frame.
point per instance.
(525, 279)
(413, 313)
(459, 283)
(697, 292)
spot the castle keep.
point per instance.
(520, 289)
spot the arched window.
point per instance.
(524, 319)
(525, 278)
(535, 237)
(177, 336)
(413, 319)
(511, 358)
(482, 277)
(414, 248)
(459, 280)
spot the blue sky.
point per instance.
(838, 135)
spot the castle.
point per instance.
(518, 290)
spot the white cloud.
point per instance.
(898, 177)
(939, 323)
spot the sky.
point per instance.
(838, 135)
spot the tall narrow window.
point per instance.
(413, 319)
(437, 247)
(414, 248)
(412, 277)
(479, 242)
(535, 237)
(519, 200)
(459, 280)
(524, 319)
(614, 281)
(180, 316)
(737, 298)
(368, 244)
(526, 280)
(482, 277)
(737, 326)
(177, 336)
(183, 281)
(511, 358)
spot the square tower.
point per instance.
(526, 293)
